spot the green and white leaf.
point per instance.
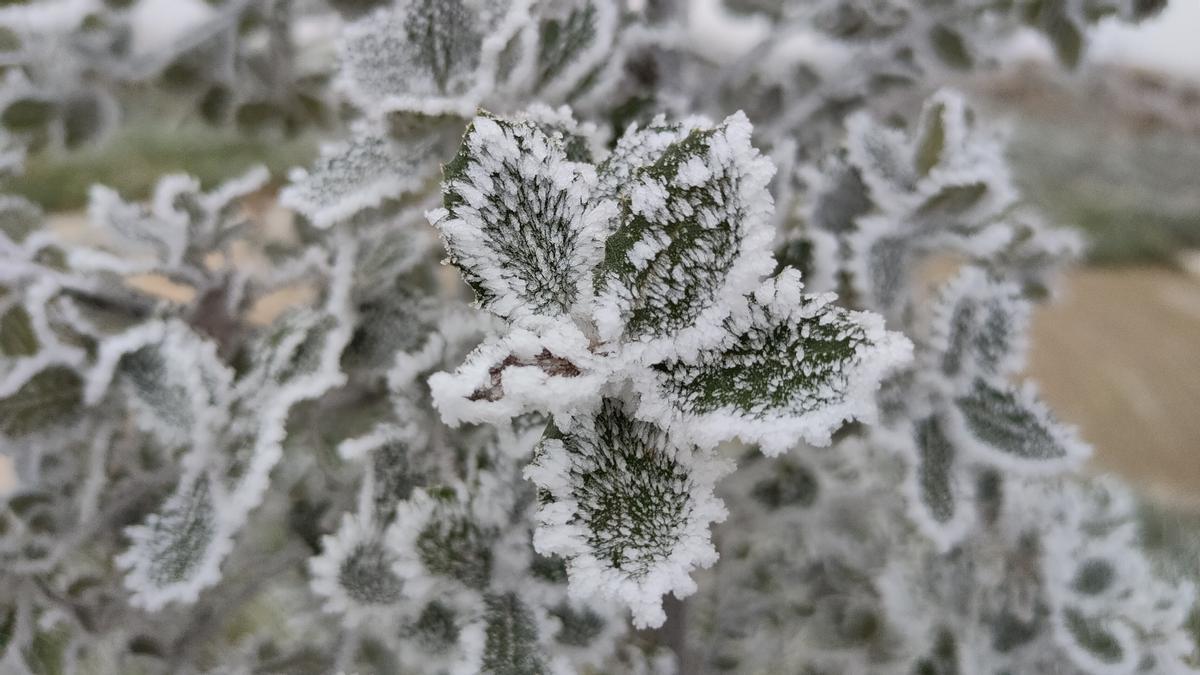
(41, 402)
(361, 173)
(520, 219)
(443, 541)
(353, 574)
(547, 368)
(574, 38)
(626, 508)
(426, 56)
(177, 552)
(1011, 427)
(979, 326)
(640, 147)
(29, 342)
(938, 487)
(790, 367)
(512, 644)
(174, 382)
(693, 240)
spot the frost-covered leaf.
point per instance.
(177, 386)
(512, 638)
(354, 573)
(1104, 647)
(178, 551)
(47, 399)
(180, 226)
(941, 501)
(573, 38)
(640, 147)
(627, 509)
(361, 173)
(1012, 426)
(792, 367)
(136, 227)
(427, 56)
(443, 545)
(979, 326)
(549, 369)
(19, 217)
(519, 218)
(693, 240)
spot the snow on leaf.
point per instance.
(694, 239)
(640, 147)
(512, 638)
(298, 360)
(547, 369)
(358, 174)
(979, 326)
(177, 387)
(519, 221)
(443, 545)
(427, 56)
(627, 509)
(135, 227)
(1013, 427)
(940, 500)
(792, 367)
(47, 399)
(178, 551)
(573, 39)
(354, 573)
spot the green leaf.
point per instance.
(950, 47)
(693, 238)
(842, 199)
(1094, 577)
(578, 626)
(359, 174)
(952, 201)
(8, 627)
(571, 44)
(793, 367)
(177, 552)
(1093, 638)
(931, 142)
(16, 333)
(453, 545)
(1012, 425)
(46, 653)
(366, 575)
(624, 506)
(178, 386)
(19, 217)
(978, 325)
(28, 115)
(48, 399)
(436, 629)
(935, 471)
(511, 646)
(426, 56)
(519, 220)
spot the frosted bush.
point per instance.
(700, 387)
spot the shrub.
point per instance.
(389, 478)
